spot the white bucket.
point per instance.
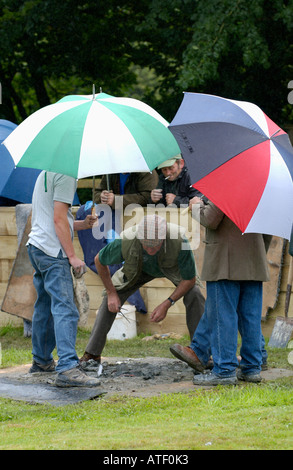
(124, 328)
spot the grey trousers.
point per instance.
(194, 305)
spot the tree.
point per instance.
(53, 46)
(232, 48)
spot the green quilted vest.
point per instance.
(128, 275)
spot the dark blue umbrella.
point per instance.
(16, 184)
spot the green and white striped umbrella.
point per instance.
(97, 134)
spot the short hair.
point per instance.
(152, 230)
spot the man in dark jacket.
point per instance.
(174, 186)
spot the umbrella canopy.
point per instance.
(81, 136)
(16, 184)
(240, 159)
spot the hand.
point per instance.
(194, 200)
(160, 312)
(78, 265)
(90, 221)
(114, 303)
(156, 195)
(170, 198)
(107, 197)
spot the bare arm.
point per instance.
(161, 310)
(114, 303)
(86, 223)
(63, 232)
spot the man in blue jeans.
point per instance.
(234, 268)
(51, 251)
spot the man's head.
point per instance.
(151, 233)
(172, 168)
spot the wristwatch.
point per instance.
(171, 300)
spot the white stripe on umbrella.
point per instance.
(255, 112)
(276, 200)
(117, 142)
(32, 125)
(135, 138)
(133, 103)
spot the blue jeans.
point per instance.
(55, 315)
(231, 305)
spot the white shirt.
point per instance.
(50, 187)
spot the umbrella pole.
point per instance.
(108, 182)
(93, 196)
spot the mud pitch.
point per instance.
(142, 377)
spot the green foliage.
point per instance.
(50, 44)
(230, 48)
(240, 50)
(151, 50)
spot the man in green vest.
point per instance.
(151, 249)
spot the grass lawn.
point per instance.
(245, 417)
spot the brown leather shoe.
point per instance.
(89, 362)
(87, 356)
(186, 354)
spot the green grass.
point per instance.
(16, 349)
(245, 417)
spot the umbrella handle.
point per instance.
(93, 190)
(108, 182)
(289, 287)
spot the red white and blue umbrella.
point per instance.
(240, 159)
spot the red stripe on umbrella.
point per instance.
(273, 128)
(237, 185)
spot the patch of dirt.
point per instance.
(124, 376)
(143, 377)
